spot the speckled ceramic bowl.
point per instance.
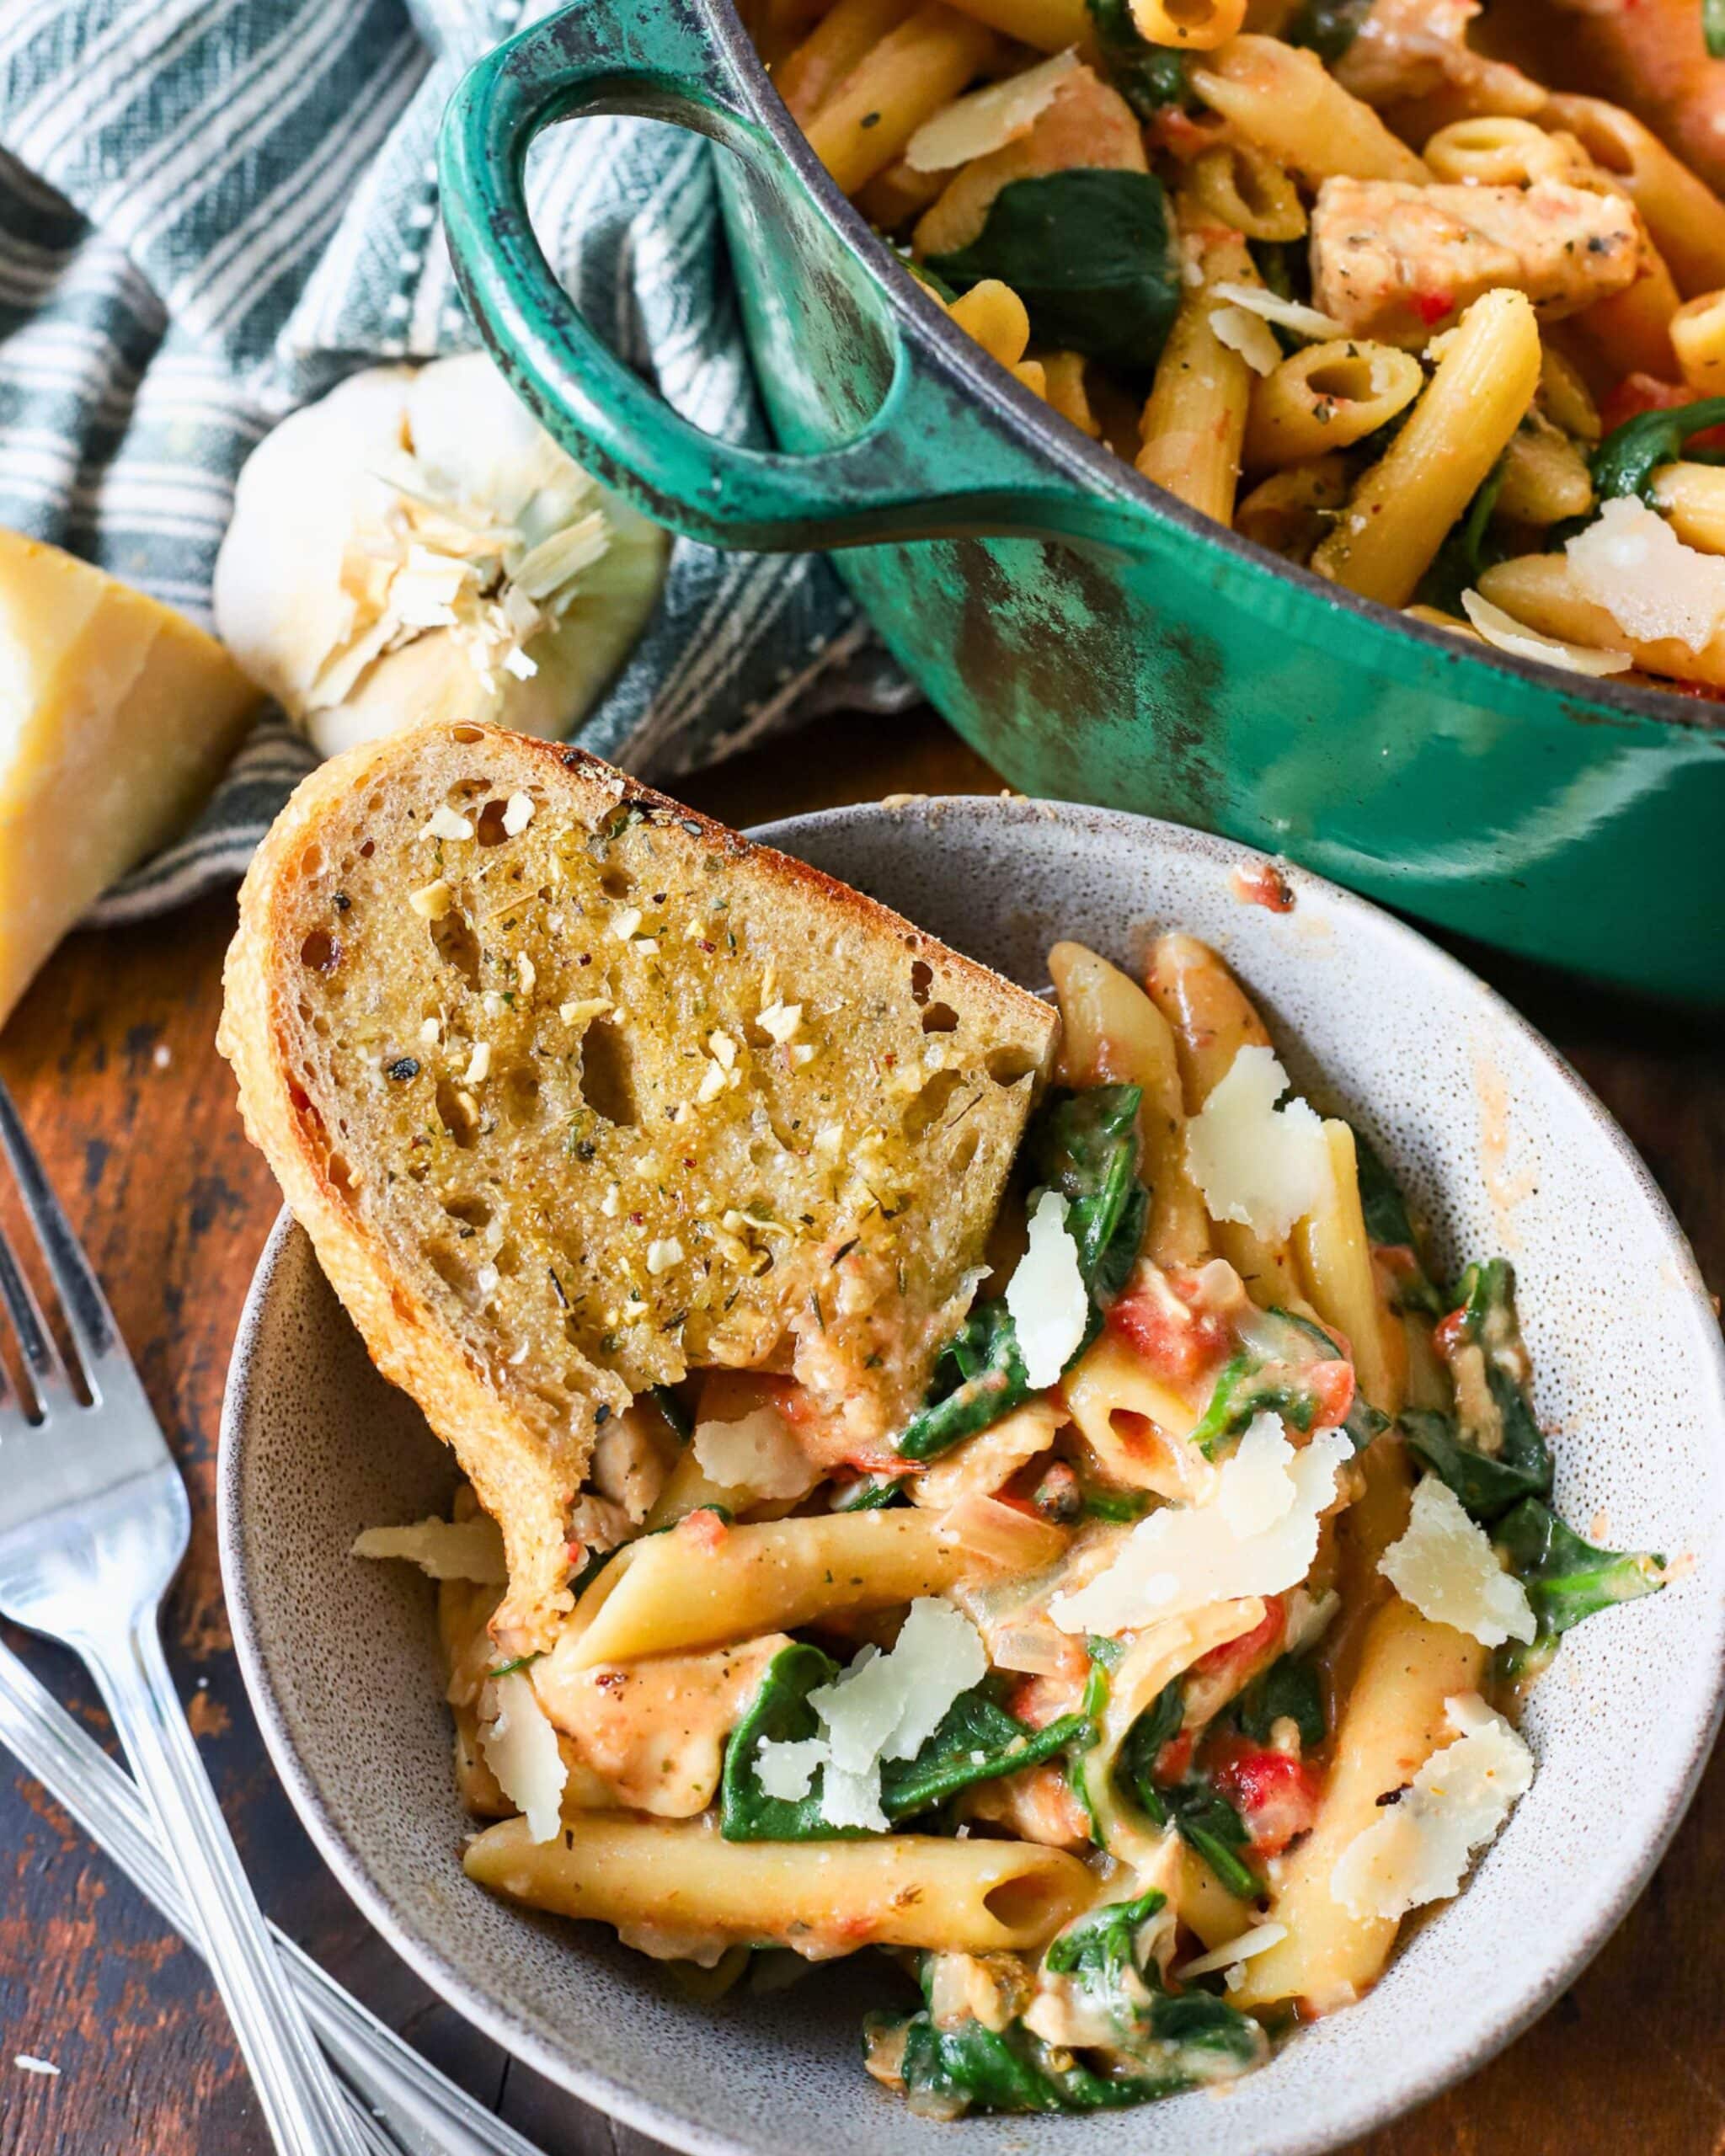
(1505, 1150)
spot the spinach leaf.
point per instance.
(1387, 1222)
(1488, 1480)
(1207, 1822)
(1246, 1388)
(1566, 1578)
(1625, 462)
(1299, 1341)
(1160, 2042)
(1713, 27)
(1151, 78)
(975, 1740)
(1085, 1145)
(1090, 253)
(1288, 1689)
(1327, 27)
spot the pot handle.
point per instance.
(655, 58)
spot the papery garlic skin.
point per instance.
(415, 547)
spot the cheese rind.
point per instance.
(117, 716)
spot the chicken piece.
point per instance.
(1411, 49)
(1398, 263)
(1086, 123)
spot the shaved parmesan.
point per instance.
(1632, 563)
(1259, 1940)
(1249, 334)
(1257, 1535)
(884, 1706)
(1417, 1850)
(977, 126)
(1445, 1565)
(758, 1454)
(1045, 1295)
(443, 1549)
(1256, 1163)
(1287, 314)
(521, 1748)
(1508, 634)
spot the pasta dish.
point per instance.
(1337, 276)
(1132, 1694)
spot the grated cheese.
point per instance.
(517, 813)
(1445, 1565)
(758, 1454)
(1259, 1940)
(444, 824)
(443, 1549)
(1417, 1850)
(884, 1706)
(1632, 562)
(1506, 634)
(1249, 334)
(521, 1748)
(1256, 1163)
(1255, 1535)
(1288, 314)
(988, 119)
(1045, 1295)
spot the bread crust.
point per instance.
(526, 1460)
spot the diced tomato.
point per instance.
(703, 1529)
(1036, 1701)
(1250, 1648)
(1431, 307)
(1173, 1759)
(1179, 1344)
(1275, 1794)
(1645, 393)
(1449, 1333)
(1331, 1385)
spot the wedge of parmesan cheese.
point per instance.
(521, 1748)
(1445, 1565)
(1045, 1295)
(1255, 1535)
(1504, 633)
(757, 1454)
(884, 1706)
(117, 716)
(1417, 1850)
(1247, 333)
(987, 120)
(1303, 321)
(442, 1549)
(1256, 1163)
(1632, 562)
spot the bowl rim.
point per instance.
(1042, 431)
(494, 2018)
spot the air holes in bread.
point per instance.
(458, 945)
(616, 883)
(520, 1096)
(930, 1105)
(921, 980)
(1008, 1066)
(488, 828)
(607, 1080)
(471, 1212)
(940, 1018)
(321, 951)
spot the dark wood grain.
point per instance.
(112, 1060)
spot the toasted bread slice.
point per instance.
(575, 1090)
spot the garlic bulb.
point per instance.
(414, 546)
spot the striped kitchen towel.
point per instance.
(211, 210)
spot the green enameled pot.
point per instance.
(1092, 636)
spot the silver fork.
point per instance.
(93, 1524)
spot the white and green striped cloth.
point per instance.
(212, 210)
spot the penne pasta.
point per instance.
(1544, 477)
(864, 124)
(1291, 511)
(1335, 1262)
(1281, 98)
(1698, 339)
(834, 50)
(1692, 497)
(1239, 185)
(680, 1879)
(1048, 25)
(1136, 1425)
(1495, 150)
(1398, 516)
(1327, 397)
(1392, 1723)
(1540, 590)
(682, 1590)
(1630, 333)
(1187, 26)
(1194, 421)
(1066, 389)
(1113, 1034)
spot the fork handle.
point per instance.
(300, 2101)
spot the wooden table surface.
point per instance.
(111, 1058)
